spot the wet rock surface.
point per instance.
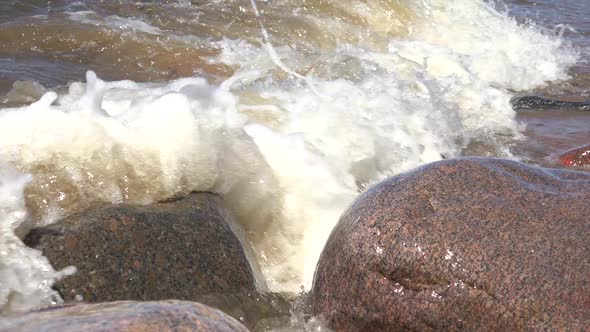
(462, 244)
(124, 316)
(576, 157)
(176, 249)
(252, 309)
(183, 249)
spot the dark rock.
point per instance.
(540, 103)
(464, 244)
(186, 249)
(131, 252)
(576, 157)
(124, 316)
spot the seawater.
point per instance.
(288, 108)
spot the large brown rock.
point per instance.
(124, 316)
(186, 249)
(464, 244)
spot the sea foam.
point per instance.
(26, 276)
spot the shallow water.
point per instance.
(287, 108)
(552, 132)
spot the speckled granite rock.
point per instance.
(170, 250)
(186, 249)
(466, 244)
(576, 157)
(124, 316)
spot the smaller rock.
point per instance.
(185, 249)
(125, 316)
(171, 250)
(576, 157)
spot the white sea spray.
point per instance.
(26, 276)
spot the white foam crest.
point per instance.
(125, 141)
(352, 134)
(492, 44)
(26, 276)
(426, 98)
(164, 139)
(140, 143)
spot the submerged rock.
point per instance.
(470, 244)
(124, 316)
(187, 249)
(576, 157)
